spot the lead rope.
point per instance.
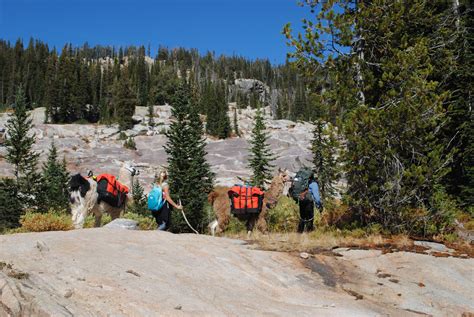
(189, 225)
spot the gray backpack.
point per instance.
(300, 187)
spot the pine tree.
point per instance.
(324, 147)
(223, 129)
(214, 102)
(139, 205)
(300, 105)
(151, 115)
(10, 205)
(142, 77)
(189, 173)
(51, 98)
(380, 71)
(454, 70)
(261, 155)
(19, 145)
(124, 102)
(66, 81)
(236, 124)
(55, 180)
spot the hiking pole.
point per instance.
(189, 225)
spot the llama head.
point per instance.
(284, 175)
(132, 169)
(78, 184)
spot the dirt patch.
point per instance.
(11, 272)
(324, 270)
(354, 293)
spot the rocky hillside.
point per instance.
(97, 147)
(113, 272)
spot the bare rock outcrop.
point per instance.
(106, 272)
(99, 148)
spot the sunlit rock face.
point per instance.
(99, 147)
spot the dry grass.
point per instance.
(320, 240)
(50, 221)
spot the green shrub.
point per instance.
(122, 136)
(81, 121)
(437, 219)
(235, 225)
(144, 222)
(10, 205)
(139, 205)
(90, 221)
(130, 144)
(284, 217)
(50, 221)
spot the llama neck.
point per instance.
(125, 177)
(276, 187)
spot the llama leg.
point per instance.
(251, 221)
(78, 218)
(114, 214)
(98, 220)
(213, 226)
(261, 221)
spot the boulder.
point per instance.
(122, 223)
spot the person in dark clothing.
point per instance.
(306, 215)
(163, 215)
(309, 198)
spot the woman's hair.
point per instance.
(161, 177)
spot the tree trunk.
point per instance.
(456, 13)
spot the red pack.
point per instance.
(245, 199)
(110, 190)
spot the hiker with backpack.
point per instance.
(160, 202)
(305, 191)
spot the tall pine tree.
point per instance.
(260, 153)
(189, 173)
(55, 180)
(324, 147)
(124, 101)
(19, 145)
(380, 68)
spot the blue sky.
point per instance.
(250, 28)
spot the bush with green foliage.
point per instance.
(235, 226)
(145, 222)
(89, 222)
(10, 205)
(130, 144)
(122, 136)
(284, 217)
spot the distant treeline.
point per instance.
(83, 83)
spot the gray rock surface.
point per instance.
(121, 223)
(97, 147)
(101, 272)
(433, 246)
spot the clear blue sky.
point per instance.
(250, 28)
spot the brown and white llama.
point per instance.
(84, 197)
(220, 202)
